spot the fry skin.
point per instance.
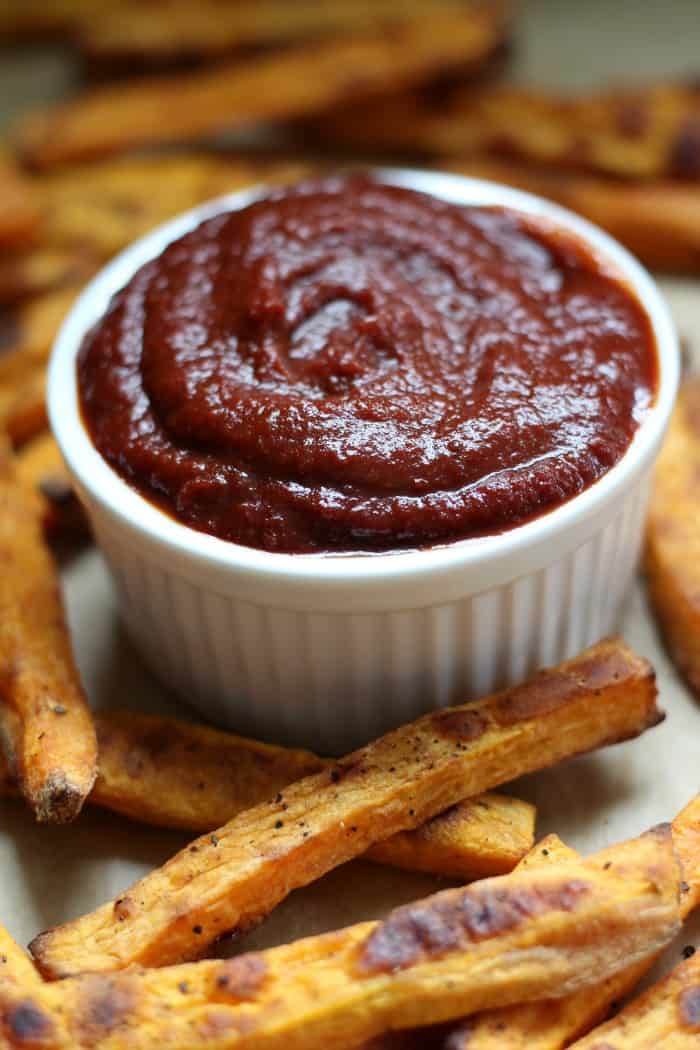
(292, 83)
(19, 212)
(23, 406)
(230, 881)
(45, 723)
(209, 30)
(658, 221)
(175, 774)
(667, 1015)
(672, 552)
(554, 1024)
(511, 938)
(646, 132)
(41, 469)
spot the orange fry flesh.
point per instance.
(231, 880)
(563, 925)
(45, 722)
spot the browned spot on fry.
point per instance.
(27, 1024)
(465, 725)
(343, 770)
(242, 978)
(60, 801)
(684, 160)
(218, 1022)
(124, 908)
(689, 1007)
(632, 119)
(449, 922)
(106, 1002)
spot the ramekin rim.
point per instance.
(123, 502)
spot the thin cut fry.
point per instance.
(232, 880)
(554, 1024)
(647, 132)
(26, 275)
(23, 407)
(144, 37)
(279, 86)
(175, 774)
(658, 221)
(97, 210)
(19, 213)
(45, 722)
(24, 1021)
(673, 536)
(35, 326)
(511, 938)
(41, 468)
(666, 1016)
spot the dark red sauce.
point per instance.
(350, 366)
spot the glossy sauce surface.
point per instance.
(349, 366)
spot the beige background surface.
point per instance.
(50, 874)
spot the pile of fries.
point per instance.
(538, 947)
(533, 953)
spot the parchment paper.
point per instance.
(48, 875)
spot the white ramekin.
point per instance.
(330, 651)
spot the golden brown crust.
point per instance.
(672, 555)
(314, 993)
(667, 1015)
(396, 783)
(289, 84)
(554, 1024)
(175, 774)
(45, 722)
(648, 132)
(659, 221)
(193, 34)
(41, 469)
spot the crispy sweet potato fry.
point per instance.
(289, 84)
(24, 1021)
(648, 132)
(554, 1024)
(144, 37)
(41, 468)
(667, 1016)
(98, 209)
(659, 221)
(232, 880)
(511, 938)
(175, 774)
(29, 274)
(45, 722)
(23, 407)
(672, 555)
(19, 213)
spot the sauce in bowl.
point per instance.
(350, 366)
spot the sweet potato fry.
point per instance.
(45, 723)
(658, 221)
(29, 274)
(232, 880)
(98, 209)
(511, 938)
(34, 327)
(23, 407)
(648, 132)
(174, 774)
(41, 468)
(24, 1021)
(189, 33)
(672, 554)
(554, 1024)
(666, 1016)
(19, 211)
(289, 84)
